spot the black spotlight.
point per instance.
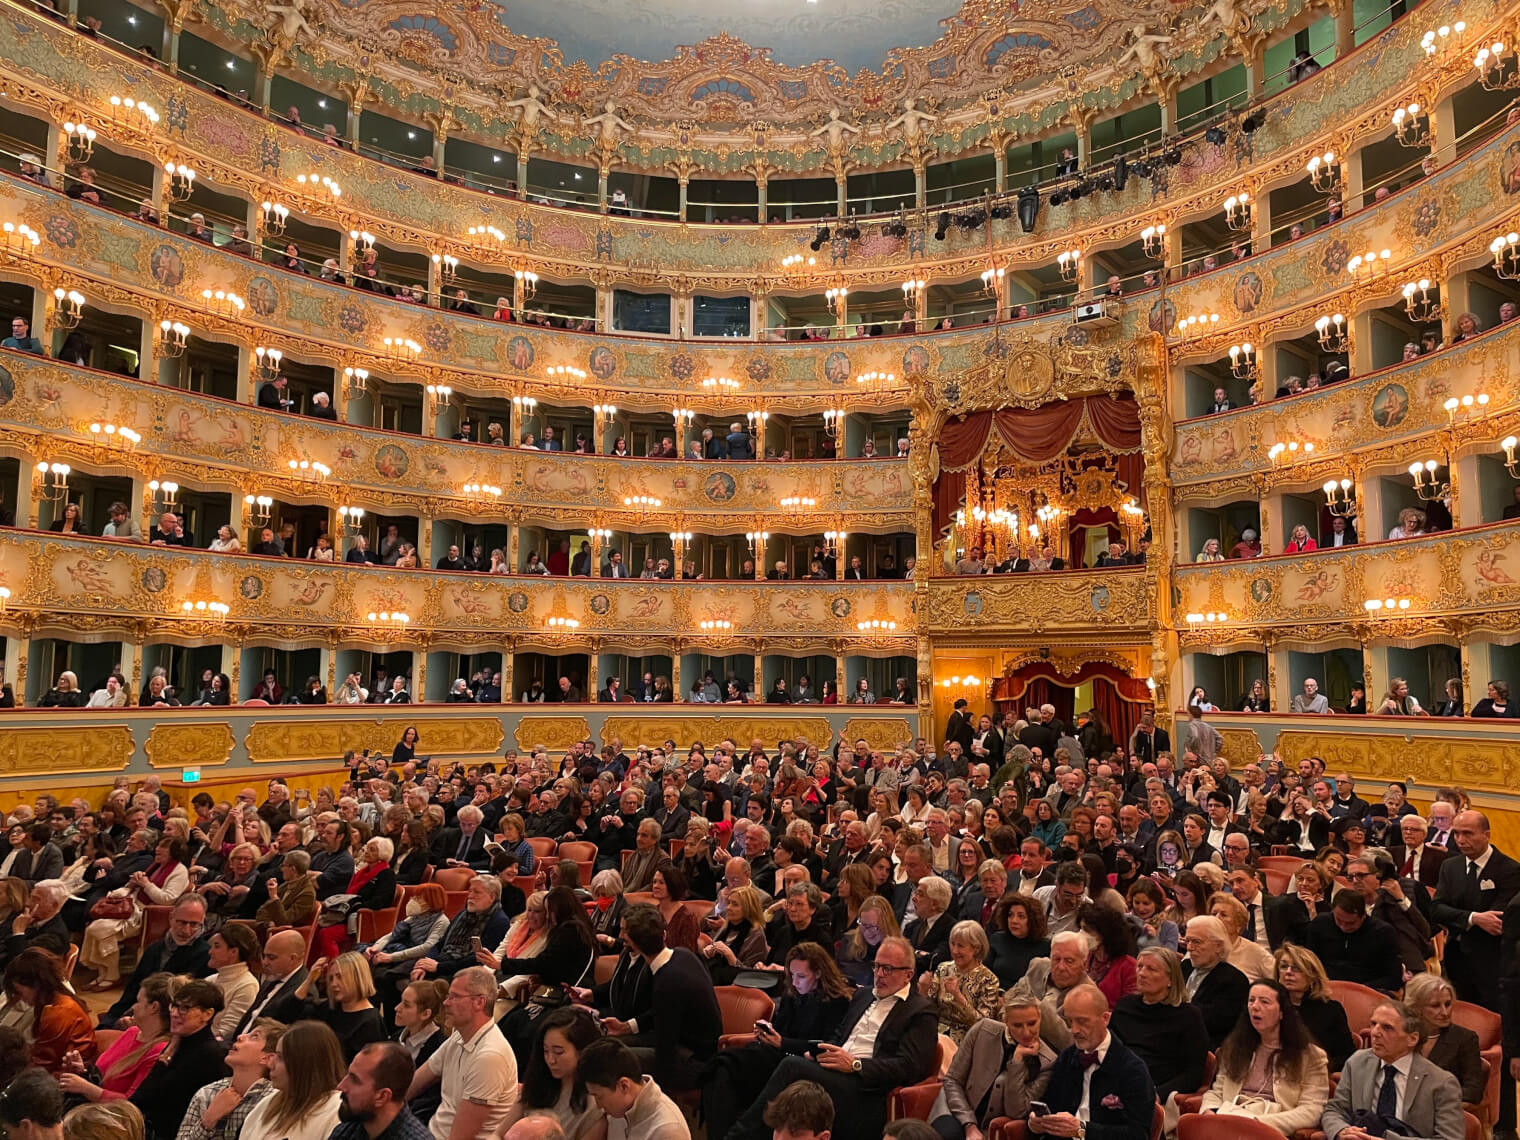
(942, 227)
(1029, 208)
(852, 233)
(1002, 212)
(1121, 172)
(1142, 168)
(1105, 182)
(1250, 123)
(896, 228)
(1174, 156)
(1214, 135)
(1059, 197)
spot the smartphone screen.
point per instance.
(475, 945)
(1039, 1108)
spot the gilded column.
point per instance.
(419, 672)
(514, 533)
(596, 537)
(332, 668)
(16, 651)
(841, 673)
(593, 670)
(677, 692)
(508, 653)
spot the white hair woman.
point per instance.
(964, 988)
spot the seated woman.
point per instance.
(127, 1060)
(1268, 1068)
(1301, 973)
(1161, 1026)
(234, 948)
(986, 1080)
(59, 1024)
(813, 1003)
(1018, 937)
(410, 861)
(194, 1062)
(372, 887)
(160, 884)
(419, 1023)
(1146, 904)
(1447, 1045)
(963, 988)
(1250, 958)
(229, 894)
(307, 1067)
(347, 1009)
(551, 1085)
(565, 957)
(1111, 964)
(739, 943)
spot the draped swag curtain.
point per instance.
(1035, 435)
(1118, 697)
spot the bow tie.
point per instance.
(1087, 1058)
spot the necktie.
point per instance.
(464, 847)
(1388, 1095)
(1087, 1058)
(1409, 864)
(1472, 872)
(1251, 922)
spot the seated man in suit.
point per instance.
(888, 1039)
(1217, 988)
(1415, 857)
(930, 931)
(1098, 1087)
(465, 845)
(1392, 1081)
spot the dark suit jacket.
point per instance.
(1289, 832)
(1429, 870)
(1221, 996)
(685, 1012)
(931, 940)
(165, 1093)
(906, 1044)
(52, 935)
(163, 956)
(1472, 954)
(1121, 1099)
(446, 847)
(958, 730)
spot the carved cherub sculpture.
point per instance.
(1142, 51)
(610, 124)
(911, 121)
(1230, 14)
(530, 107)
(836, 128)
(289, 22)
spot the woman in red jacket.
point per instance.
(59, 1024)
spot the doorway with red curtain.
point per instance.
(1117, 697)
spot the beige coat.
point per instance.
(1298, 1104)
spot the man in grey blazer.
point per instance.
(1428, 1100)
(999, 1069)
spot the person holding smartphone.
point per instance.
(1009, 1048)
(1097, 1082)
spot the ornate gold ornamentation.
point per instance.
(553, 732)
(172, 745)
(686, 730)
(60, 749)
(272, 742)
(881, 735)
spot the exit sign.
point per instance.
(191, 776)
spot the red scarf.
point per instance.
(159, 877)
(363, 875)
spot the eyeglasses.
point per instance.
(881, 969)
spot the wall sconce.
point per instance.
(449, 267)
(274, 217)
(757, 421)
(599, 534)
(565, 372)
(1365, 266)
(179, 181)
(172, 338)
(605, 413)
(718, 626)
(913, 289)
(523, 408)
(319, 183)
(757, 540)
(112, 436)
(68, 307)
(1131, 514)
(481, 492)
(1197, 324)
(833, 418)
(1067, 262)
(1466, 407)
(401, 348)
(438, 397)
(1418, 303)
(363, 240)
(1493, 69)
(1243, 362)
(53, 479)
(309, 469)
(19, 237)
(795, 506)
(1237, 211)
(561, 624)
(396, 619)
(223, 302)
(1289, 452)
(164, 495)
(1340, 498)
(870, 381)
(796, 263)
(356, 380)
(1425, 483)
(1410, 126)
(1442, 39)
(720, 384)
(970, 681)
(486, 231)
(992, 279)
(835, 295)
(876, 625)
(129, 112)
(1506, 251)
(834, 539)
(679, 538)
(681, 416)
(1211, 618)
(1385, 606)
(1334, 333)
(642, 503)
(1508, 443)
(81, 141)
(1153, 239)
(527, 280)
(268, 360)
(5, 597)
(259, 508)
(206, 611)
(349, 519)
(1324, 172)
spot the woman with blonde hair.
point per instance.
(347, 1010)
(307, 1066)
(525, 938)
(1164, 1029)
(113, 1120)
(740, 942)
(64, 695)
(857, 956)
(964, 989)
(1303, 976)
(1446, 1045)
(1250, 958)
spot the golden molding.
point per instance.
(61, 749)
(741, 728)
(555, 733)
(171, 745)
(272, 742)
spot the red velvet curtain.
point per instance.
(1118, 697)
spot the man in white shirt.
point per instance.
(476, 1065)
(1097, 1081)
(636, 1108)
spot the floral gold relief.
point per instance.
(189, 745)
(553, 732)
(881, 735)
(55, 750)
(687, 730)
(1429, 760)
(270, 742)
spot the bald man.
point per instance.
(284, 969)
(1097, 1082)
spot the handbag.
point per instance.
(114, 907)
(340, 910)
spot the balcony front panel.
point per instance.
(1468, 579)
(55, 68)
(1099, 603)
(62, 586)
(200, 440)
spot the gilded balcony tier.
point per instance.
(1457, 583)
(60, 73)
(1107, 605)
(209, 443)
(100, 587)
(1368, 421)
